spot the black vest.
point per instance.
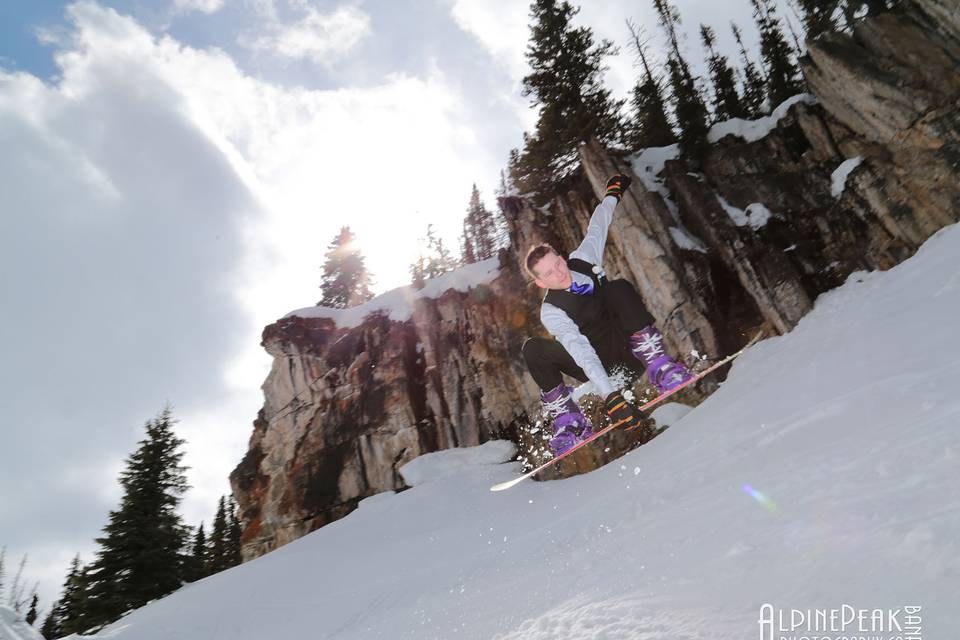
(588, 311)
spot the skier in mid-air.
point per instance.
(597, 324)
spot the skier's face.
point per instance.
(553, 272)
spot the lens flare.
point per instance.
(764, 501)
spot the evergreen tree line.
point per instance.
(146, 551)
(482, 236)
(668, 104)
(346, 281)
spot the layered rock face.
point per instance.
(345, 408)
(747, 242)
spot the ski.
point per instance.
(506, 485)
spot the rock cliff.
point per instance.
(345, 407)
(854, 177)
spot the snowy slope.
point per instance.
(12, 626)
(824, 473)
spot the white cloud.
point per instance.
(203, 6)
(501, 27)
(160, 207)
(320, 37)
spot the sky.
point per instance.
(172, 172)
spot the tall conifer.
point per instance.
(565, 85)
(69, 614)
(726, 98)
(197, 565)
(217, 544)
(140, 556)
(688, 106)
(234, 531)
(49, 627)
(649, 125)
(479, 239)
(783, 75)
(754, 96)
(32, 613)
(346, 281)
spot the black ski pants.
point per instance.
(547, 359)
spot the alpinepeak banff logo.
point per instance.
(844, 623)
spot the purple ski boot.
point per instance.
(570, 426)
(664, 372)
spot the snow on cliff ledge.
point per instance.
(753, 130)
(398, 303)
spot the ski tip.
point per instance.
(506, 485)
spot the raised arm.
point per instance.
(591, 249)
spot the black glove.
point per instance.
(616, 185)
(622, 412)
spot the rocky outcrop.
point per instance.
(345, 408)
(893, 90)
(749, 241)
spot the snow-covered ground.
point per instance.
(823, 474)
(12, 626)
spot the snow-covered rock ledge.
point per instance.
(397, 303)
(753, 130)
(355, 394)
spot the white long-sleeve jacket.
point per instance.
(556, 320)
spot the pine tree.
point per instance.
(197, 563)
(32, 613)
(783, 75)
(798, 49)
(754, 84)
(346, 281)
(726, 99)
(688, 105)
(479, 239)
(140, 556)
(50, 628)
(648, 125)
(234, 553)
(69, 614)
(439, 260)
(467, 256)
(418, 272)
(435, 260)
(818, 16)
(564, 82)
(217, 544)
